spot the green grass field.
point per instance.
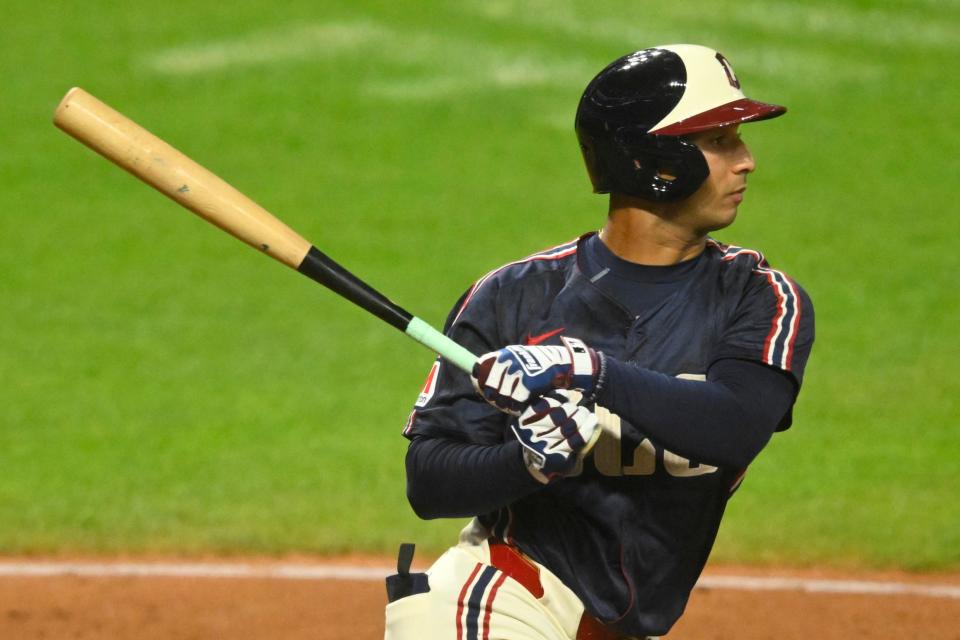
(167, 390)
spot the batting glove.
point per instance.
(555, 434)
(513, 376)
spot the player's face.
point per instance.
(714, 205)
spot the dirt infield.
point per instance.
(733, 603)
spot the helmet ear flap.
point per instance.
(657, 168)
(596, 168)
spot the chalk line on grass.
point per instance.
(367, 574)
(848, 587)
(193, 570)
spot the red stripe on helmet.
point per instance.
(743, 110)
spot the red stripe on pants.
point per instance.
(463, 594)
(493, 594)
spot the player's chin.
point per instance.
(720, 217)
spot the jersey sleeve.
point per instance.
(448, 406)
(773, 323)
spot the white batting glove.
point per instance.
(555, 434)
(513, 376)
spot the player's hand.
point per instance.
(514, 376)
(555, 433)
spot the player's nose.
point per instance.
(744, 162)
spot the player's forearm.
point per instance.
(723, 422)
(453, 479)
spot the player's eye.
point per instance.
(727, 140)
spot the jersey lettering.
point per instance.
(608, 461)
(680, 467)
(607, 453)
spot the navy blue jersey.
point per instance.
(630, 533)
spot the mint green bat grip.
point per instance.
(450, 350)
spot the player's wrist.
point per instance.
(584, 365)
(599, 378)
(533, 465)
(520, 468)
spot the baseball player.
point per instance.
(630, 376)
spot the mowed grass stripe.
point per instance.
(827, 24)
(300, 42)
(809, 65)
(469, 64)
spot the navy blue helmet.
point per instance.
(634, 115)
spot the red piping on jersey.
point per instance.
(794, 330)
(553, 253)
(785, 292)
(632, 589)
(776, 328)
(410, 420)
(737, 481)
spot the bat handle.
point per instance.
(322, 268)
(439, 343)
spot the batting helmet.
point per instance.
(634, 114)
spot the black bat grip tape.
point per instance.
(320, 267)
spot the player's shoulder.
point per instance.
(556, 261)
(746, 270)
(734, 258)
(510, 279)
(737, 261)
(553, 259)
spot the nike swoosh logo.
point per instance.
(532, 340)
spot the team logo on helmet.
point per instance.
(731, 76)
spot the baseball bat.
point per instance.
(133, 148)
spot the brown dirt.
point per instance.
(195, 608)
